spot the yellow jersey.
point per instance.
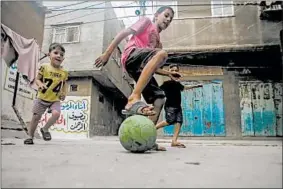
(54, 79)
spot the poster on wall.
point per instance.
(74, 120)
(23, 88)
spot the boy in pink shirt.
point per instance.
(143, 56)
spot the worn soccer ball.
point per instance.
(137, 134)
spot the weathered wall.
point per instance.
(81, 55)
(105, 119)
(84, 86)
(114, 68)
(244, 28)
(14, 14)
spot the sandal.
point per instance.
(178, 145)
(137, 109)
(28, 141)
(45, 134)
(156, 147)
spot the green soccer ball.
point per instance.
(137, 134)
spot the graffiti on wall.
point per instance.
(74, 119)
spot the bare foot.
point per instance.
(139, 107)
(158, 148)
(178, 145)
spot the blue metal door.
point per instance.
(261, 108)
(203, 111)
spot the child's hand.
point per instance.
(198, 85)
(175, 76)
(102, 60)
(42, 86)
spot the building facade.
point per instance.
(97, 94)
(236, 54)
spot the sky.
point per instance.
(120, 12)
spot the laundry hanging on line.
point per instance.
(26, 52)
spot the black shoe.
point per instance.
(28, 141)
(45, 134)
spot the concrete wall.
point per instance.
(24, 17)
(84, 86)
(244, 28)
(105, 119)
(27, 19)
(114, 68)
(81, 55)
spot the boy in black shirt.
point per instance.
(173, 110)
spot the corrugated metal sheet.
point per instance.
(203, 111)
(261, 108)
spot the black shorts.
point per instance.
(173, 115)
(134, 65)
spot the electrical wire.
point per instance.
(150, 6)
(59, 7)
(93, 13)
(75, 10)
(131, 16)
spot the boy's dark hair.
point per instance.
(174, 65)
(163, 8)
(56, 45)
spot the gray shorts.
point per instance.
(173, 115)
(39, 106)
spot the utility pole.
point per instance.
(143, 8)
(141, 11)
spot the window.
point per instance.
(73, 87)
(66, 34)
(221, 8)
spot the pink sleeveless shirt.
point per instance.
(146, 36)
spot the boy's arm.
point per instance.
(39, 79)
(163, 72)
(172, 75)
(192, 86)
(117, 40)
(64, 89)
